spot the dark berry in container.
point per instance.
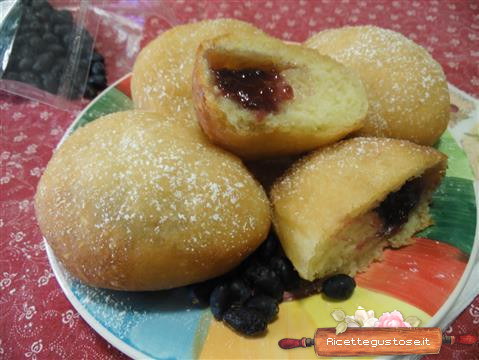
(245, 320)
(13, 76)
(50, 83)
(219, 301)
(265, 305)
(38, 5)
(62, 17)
(63, 30)
(25, 64)
(43, 62)
(36, 43)
(30, 78)
(50, 38)
(66, 38)
(339, 286)
(58, 67)
(35, 26)
(44, 14)
(56, 49)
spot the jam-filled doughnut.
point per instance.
(259, 97)
(336, 210)
(407, 90)
(133, 202)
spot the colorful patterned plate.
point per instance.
(420, 280)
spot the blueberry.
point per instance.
(63, 30)
(219, 301)
(57, 69)
(97, 68)
(90, 92)
(285, 270)
(28, 17)
(244, 320)
(97, 57)
(50, 38)
(199, 293)
(86, 42)
(25, 64)
(97, 81)
(30, 78)
(36, 43)
(264, 304)
(265, 280)
(62, 17)
(268, 247)
(66, 38)
(239, 291)
(22, 39)
(339, 286)
(83, 65)
(44, 13)
(44, 62)
(12, 76)
(21, 53)
(35, 26)
(56, 49)
(50, 83)
(39, 4)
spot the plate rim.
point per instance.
(132, 352)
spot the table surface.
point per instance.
(36, 319)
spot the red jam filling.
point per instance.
(254, 89)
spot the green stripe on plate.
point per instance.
(457, 164)
(453, 210)
(111, 101)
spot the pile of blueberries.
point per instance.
(247, 298)
(42, 47)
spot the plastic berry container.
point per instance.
(49, 49)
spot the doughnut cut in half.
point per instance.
(337, 209)
(259, 97)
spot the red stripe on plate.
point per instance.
(124, 86)
(423, 274)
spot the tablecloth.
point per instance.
(36, 319)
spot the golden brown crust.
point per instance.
(163, 69)
(329, 189)
(134, 202)
(407, 90)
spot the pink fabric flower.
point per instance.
(393, 319)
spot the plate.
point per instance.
(421, 280)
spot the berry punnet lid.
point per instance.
(46, 52)
(50, 52)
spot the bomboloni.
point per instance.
(338, 208)
(259, 97)
(407, 90)
(132, 202)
